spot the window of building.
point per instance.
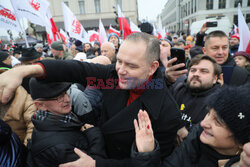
(248, 18)
(209, 4)
(236, 19)
(236, 3)
(195, 5)
(97, 6)
(66, 3)
(222, 4)
(188, 8)
(248, 3)
(81, 6)
(119, 2)
(192, 6)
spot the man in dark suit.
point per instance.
(133, 83)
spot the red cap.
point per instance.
(236, 35)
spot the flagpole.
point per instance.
(25, 37)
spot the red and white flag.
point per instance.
(154, 31)
(73, 25)
(8, 19)
(123, 23)
(161, 31)
(64, 36)
(112, 30)
(243, 32)
(34, 10)
(93, 36)
(134, 27)
(102, 33)
(51, 29)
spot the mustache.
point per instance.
(195, 78)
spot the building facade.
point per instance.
(178, 15)
(89, 12)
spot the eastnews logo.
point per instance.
(131, 83)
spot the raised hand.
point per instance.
(144, 133)
(171, 71)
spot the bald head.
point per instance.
(108, 49)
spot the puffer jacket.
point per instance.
(18, 116)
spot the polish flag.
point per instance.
(161, 31)
(102, 33)
(51, 29)
(134, 27)
(123, 23)
(243, 32)
(64, 36)
(112, 30)
(154, 31)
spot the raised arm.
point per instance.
(11, 79)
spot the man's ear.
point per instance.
(153, 67)
(40, 105)
(204, 50)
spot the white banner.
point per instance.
(73, 26)
(8, 20)
(33, 10)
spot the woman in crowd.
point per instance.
(217, 140)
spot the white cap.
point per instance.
(80, 56)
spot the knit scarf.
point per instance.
(137, 92)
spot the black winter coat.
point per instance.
(53, 143)
(191, 153)
(193, 105)
(117, 119)
(240, 76)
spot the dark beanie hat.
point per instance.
(44, 90)
(196, 50)
(242, 53)
(3, 55)
(58, 45)
(232, 105)
(147, 28)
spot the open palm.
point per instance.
(144, 133)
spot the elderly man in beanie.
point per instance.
(59, 52)
(242, 59)
(39, 48)
(217, 141)
(58, 129)
(114, 38)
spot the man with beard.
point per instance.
(192, 94)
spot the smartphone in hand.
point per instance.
(180, 55)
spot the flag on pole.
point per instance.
(8, 20)
(73, 25)
(161, 31)
(134, 27)
(112, 30)
(51, 29)
(123, 23)
(93, 36)
(243, 32)
(64, 36)
(34, 10)
(102, 33)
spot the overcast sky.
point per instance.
(149, 9)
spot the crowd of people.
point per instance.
(127, 103)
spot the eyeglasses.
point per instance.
(59, 99)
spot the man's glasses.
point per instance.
(59, 99)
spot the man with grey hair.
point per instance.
(108, 50)
(133, 83)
